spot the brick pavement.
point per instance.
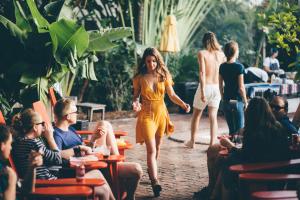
(182, 171)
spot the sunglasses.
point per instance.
(276, 107)
(42, 123)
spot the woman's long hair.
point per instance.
(210, 42)
(161, 68)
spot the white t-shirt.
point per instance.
(259, 73)
(272, 63)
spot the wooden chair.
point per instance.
(2, 120)
(275, 195)
(260, 176)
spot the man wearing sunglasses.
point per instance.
(279, 106)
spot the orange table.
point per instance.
(89, 165)
(119, 133)
(112, 162)
(122, 148)
(63, 192)
(70, 182)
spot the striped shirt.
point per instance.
(21, 150)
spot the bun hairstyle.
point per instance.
(24, 122)
(62, 107)
(5, 131)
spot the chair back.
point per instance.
(2, 120)
(40, 108)
(52, 96)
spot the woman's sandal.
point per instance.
(156, 187)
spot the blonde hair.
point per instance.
(230, 49)
(62, 107)
(24, 122)
(161, 68)
(210, 42)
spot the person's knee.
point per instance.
(138, 171)
(213, 150)
(103, 192)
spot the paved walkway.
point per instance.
(182, 171)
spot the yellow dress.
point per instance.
(153, 119)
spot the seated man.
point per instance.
(271, 64)
(66, 138)
(255, 75)
(279, 106)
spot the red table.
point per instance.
(112, 162)
(63, 192)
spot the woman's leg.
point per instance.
(151, 158)
(212, 113)
(240, 115)
(103, 192)
(130, 174)
(228, 112)
(194, 126)
(158, 141)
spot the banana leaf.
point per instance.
(14, 30)
(41, 23)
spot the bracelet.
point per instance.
(77, 151)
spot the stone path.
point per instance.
(182, 171)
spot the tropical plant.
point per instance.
(38, 53)
(189, 14)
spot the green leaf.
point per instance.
(41, 23)
(13, 28)
(54, 8)
(68, 38)
(21, 20)
(28, 78)
(102, 41)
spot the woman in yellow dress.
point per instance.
(150, 83)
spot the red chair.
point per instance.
(275, 195)
(252, 179)
(2, 120)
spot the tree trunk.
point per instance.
(83, 89)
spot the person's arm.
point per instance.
(221, 86)
(136, 94)
(10, 192)
(35, 160)
(202, 78)
(242, 89)
(175, 99)
(48, 134)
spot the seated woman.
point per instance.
(8, 177)
(30, 127)
(264, 140)
(66, 138)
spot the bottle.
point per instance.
(80, 172)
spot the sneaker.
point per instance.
(189, 144)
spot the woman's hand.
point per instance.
(187, 108)
(203, 97)
(136, 106)
(48, 132)
(100, 131)
(35, 159)
(85, 149)
(224, 141)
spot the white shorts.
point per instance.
(212, 95)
